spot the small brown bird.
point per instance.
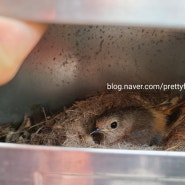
(138, 125)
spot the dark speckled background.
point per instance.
(72, 61)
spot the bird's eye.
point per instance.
(114, 124)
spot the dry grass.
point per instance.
(72, 126)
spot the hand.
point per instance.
(17, 39)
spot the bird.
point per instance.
(143, 125)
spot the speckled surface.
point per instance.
(72, 60)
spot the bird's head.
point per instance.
(107, 124)
(119, 123)
(112, 126)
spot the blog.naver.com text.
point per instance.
(162, 87)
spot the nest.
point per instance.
(72, 126)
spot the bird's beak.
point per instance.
(97, 130)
